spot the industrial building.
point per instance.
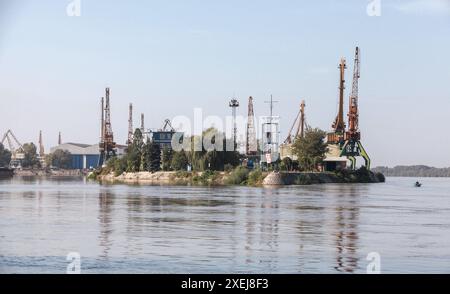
(163, 137)
(84, 156)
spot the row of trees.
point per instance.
(148, 156)
(141, 156)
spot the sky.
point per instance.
(169, 57)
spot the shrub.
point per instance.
(238, 176)
(255, 177)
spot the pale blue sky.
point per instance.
(168, 57)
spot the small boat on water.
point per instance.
(6, 172)
(418, 184)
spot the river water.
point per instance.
(151, 229)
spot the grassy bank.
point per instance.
(240, 176)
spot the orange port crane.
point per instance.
(337, 136)
(352, 146)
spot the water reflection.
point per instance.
(148, 229)
(347, 219)
(106, 202)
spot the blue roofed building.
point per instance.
(84, 156)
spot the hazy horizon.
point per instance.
(168, 58)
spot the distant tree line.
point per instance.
(413, 171)
(59, 158)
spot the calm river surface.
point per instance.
(151, 229)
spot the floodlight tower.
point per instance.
(234, 104)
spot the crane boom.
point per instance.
(300, 122)
(339, 124)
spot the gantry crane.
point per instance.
(17, 152)
(167, 127)
(352, 146)
(300, 122)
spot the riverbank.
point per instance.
(48, 173)
(242, 176)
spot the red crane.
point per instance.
(352, 146)
(107, 146)
(353, 115)
(337, 136)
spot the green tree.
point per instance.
(134, 152)
(60, 159)
(154, 157)
(179, 161)
(286, 164)
(30, 156)
(311, 149)
(167, 155)
(5, 156)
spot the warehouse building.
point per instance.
(84, 156)
(164, 138)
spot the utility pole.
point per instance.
(270, 129)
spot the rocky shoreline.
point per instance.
(310, 178)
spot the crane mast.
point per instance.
(339, 124)
(301, 127)
(300, 122)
